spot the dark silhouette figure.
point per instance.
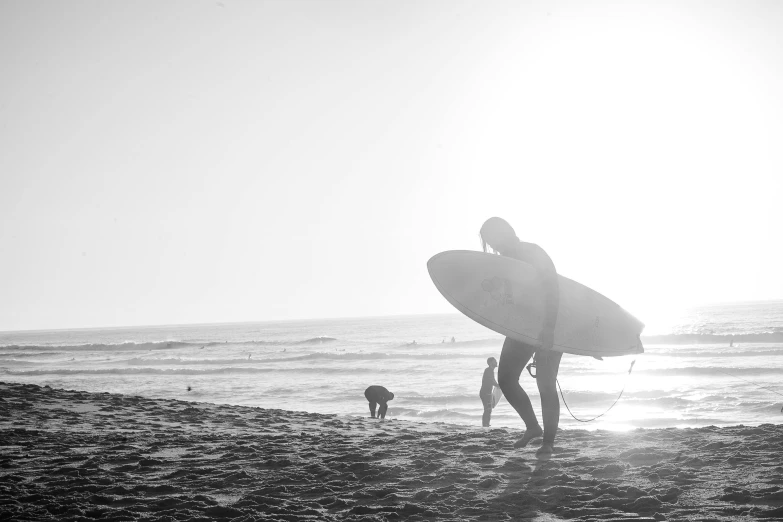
(378, 395)
(485, 393)
(498, 234)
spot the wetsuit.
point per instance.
(485, 393)
(515, 355)
(378, 395)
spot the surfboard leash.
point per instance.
(610, 407)
(753, 383)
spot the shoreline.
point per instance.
(79, 455)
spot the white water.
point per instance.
(689, 376)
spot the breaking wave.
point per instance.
(426, 414)
(766, 337)
(710, 370)
(711, 353)
(160, 345)
(318, 356)
(492, 341)
(191, 371)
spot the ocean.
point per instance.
(713, 365)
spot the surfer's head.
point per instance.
(492, 362)
(390, 396)
(497, 234)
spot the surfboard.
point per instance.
(497, 394)
(505, 295)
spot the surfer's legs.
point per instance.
(547, 364)
(372, 409)
(382, 410)
(486, 400)
(513, 359)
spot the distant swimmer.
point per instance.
(498, 235)
(453, 340)
(488, 382)
(378, 395)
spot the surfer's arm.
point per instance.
(537, 256)
(550, 319)
(551, 299)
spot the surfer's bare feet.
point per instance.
(545, 451)
(529, 435)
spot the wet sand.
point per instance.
(69, 455)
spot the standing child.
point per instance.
(488, 382)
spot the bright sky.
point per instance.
(185, 162)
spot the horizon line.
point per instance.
(160, 325)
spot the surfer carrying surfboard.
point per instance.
(498, 235)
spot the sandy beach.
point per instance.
(70, 455)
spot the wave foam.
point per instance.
(710, 370)
(766, 337)
(161, 345)
(162, 371)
